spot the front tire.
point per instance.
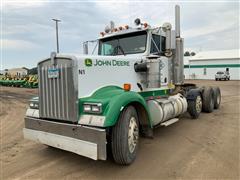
(125, 135)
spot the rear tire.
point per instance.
(125, 135)
(217, 97)
(195, 107)
(208, 99)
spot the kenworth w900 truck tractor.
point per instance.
(91, 104)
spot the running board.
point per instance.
(169, 122)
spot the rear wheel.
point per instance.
(217, 97)
(125, 135)
(208, 99)
(195, 107)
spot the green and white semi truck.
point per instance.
(94, 104)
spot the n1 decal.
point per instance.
(81, 71)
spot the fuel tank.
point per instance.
(167, 108)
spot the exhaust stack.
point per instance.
(177, 21)
(178, 65)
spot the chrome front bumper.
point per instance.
(82, 140)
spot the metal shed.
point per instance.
(204, 65)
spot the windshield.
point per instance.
(131, 43)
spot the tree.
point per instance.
(187, 53)
(32, 71)
(193, 53)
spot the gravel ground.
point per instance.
(207, 148)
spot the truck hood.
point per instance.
(95, 72)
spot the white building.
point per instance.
(17, 71)
(204, 65)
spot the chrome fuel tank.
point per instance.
(167, 108)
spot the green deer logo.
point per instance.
(88, 62)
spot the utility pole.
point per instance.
(57, 20)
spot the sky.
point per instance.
(28, 32)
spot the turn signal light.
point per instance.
(127, 87)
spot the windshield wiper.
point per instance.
(120, 47)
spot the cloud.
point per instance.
(209, 29)
(19, 45)
(20, 4)
(27, 25)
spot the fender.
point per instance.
(193, 93)
(114, 99)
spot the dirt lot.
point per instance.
(207, 148)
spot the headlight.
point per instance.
(92, 108)
(87, 108)
(96, 108)
(34, 105)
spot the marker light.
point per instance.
(127, 87)
(145, 25)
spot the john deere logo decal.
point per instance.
(88, 62)
(97, 62)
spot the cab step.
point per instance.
(169, 122)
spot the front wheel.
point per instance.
(125, 135)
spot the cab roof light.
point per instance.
(126, 27)
(102, 33)
(120, 28)
(127, 87)
(145, 25)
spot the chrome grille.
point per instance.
(58, 96)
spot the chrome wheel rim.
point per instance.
(199, 104)
(132, 134)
